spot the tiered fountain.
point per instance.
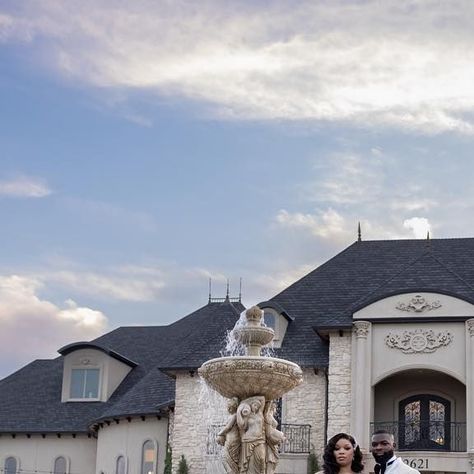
(251, 383)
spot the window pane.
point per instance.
(10, 466)
(269, 319)
(92, 383)
(60, 466)
(84, 383)
(412, 421)
(120, 469)
(77, 383)
(149, 458)
(437, 417)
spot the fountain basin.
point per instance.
(247, 376)
(253, 335)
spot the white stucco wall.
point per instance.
(127, 439)
(387, 307)
(450, 359)
(37, 454)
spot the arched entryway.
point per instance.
(424, 409)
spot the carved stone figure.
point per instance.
(250, 437)
(229, 437)
(250, 419)
(273, 437)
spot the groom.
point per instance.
(383, 445)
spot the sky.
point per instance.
(148, 146)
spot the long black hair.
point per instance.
(330, 465)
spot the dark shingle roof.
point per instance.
(30, 399)
(365, 272)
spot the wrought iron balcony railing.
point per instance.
(298, 439)
(426, 435)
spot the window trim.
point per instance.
(126, 463)
(424, 399)
(99, 383)
(17, 460)
(66, 458)
(155, 462)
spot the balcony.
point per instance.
(298, 439)
(425, 435)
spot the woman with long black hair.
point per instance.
(342, 455)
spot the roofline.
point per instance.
(323, 331)
(169, 370)
(420, 319)
(45, 432)
(158, 411)
(93, 345)
(373, 300)
(431, 239)
(277, 307)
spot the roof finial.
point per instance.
(227, 292)
(240, 290)
(359, 233)
(210, 287)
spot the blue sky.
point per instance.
(147, 146)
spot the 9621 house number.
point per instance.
(417, 463)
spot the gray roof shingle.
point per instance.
(30, 399)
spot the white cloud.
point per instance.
(327, 224)
(24, 187)
(420, 226)
(110, 285)
(414, 204)
(32, 327)
(403, 64)
(268, 284)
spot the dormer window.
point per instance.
(85, 383)
(277, 321)
(92, 372)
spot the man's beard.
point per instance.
(383, 458)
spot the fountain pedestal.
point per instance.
(251, 383)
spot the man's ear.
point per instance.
(394, 445)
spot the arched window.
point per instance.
(60, 465)
(425, 423)
(11, 465)
(149, 458)
(120, 465)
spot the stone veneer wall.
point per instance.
(193, 414)
(339, 383)
(306, 404)
(170, 427)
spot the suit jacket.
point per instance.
(399, 467)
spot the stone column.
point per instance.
(361, 384)
(471, 461)
(470, 385)
(339, 383)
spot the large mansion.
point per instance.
(384, 333)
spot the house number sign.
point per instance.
(417, 463)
